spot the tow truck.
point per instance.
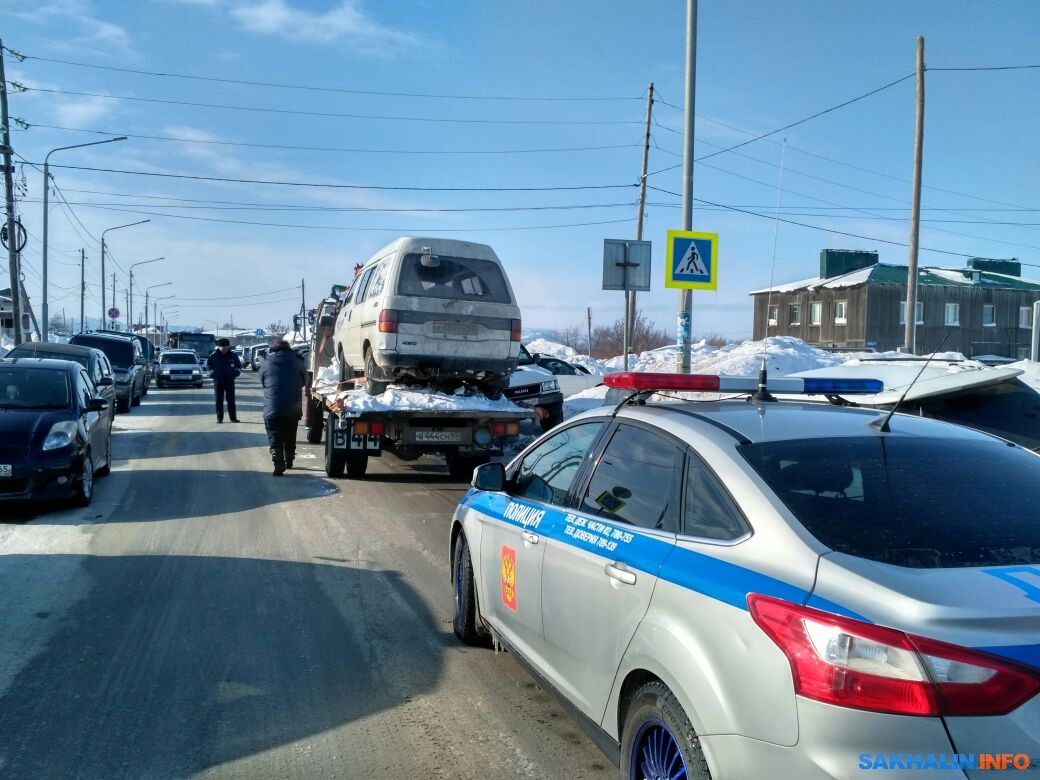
(467, 429)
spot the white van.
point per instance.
(431, 311)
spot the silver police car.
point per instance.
(758, 589)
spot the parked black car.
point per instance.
(128, 364)
(148, 350)
(55, 433)
(99, 369)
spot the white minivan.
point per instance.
(431, 311)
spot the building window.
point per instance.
(794, 314)
(918, 308)
(774, 313)
(1025, 316)
(989, 315)
(841, 309)
(815, 313)
(952, 314)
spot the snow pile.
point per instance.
(566, 354)
(418, 399)
(935, 356)
(327, 375)
(783, 355)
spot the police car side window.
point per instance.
(636, 481)
(547, 472)
(709, 512)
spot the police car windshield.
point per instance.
(923, 503)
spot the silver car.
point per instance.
(751, 589)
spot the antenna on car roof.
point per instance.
(881, 423)
(762, 394)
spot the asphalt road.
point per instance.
(203, 617)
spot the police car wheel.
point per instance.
(466, 620)
(658, 740)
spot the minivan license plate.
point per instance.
(455, 328)
(6, 470)
(440, 437)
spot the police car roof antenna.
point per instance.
(762, 394)
(881, 423)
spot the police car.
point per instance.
(752, 589)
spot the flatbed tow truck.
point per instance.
(410, 422)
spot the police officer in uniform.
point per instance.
(224, 366)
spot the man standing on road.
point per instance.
(283, 376)
(224, 366)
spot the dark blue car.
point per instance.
(55, 431)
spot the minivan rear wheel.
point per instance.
(373, 386)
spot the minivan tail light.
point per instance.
(850, 663)
(388, 321)
(515, 330)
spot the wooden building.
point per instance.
(859, 303)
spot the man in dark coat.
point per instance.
(224, 366)
(283, 376)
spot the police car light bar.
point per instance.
(709, 383)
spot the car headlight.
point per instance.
(61, 435)
(550, 386)
(166, 371)
(196, 372)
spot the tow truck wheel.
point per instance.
(466, 621)
(461, 467)
(357, 463)
(315, 423)
(335, 460)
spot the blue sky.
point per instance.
(761, 65)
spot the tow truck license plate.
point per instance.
(6, 470)
(440, 437)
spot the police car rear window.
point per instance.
(922, 503)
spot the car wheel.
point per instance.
(85, 490)
(136, 401)
(105, 470)
(357, 463)
(315, 422)
(658, 739)
(123, 405)
(466, 621)
(553, 418)
(158, 385)
(373, 386)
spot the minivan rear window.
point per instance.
(459, 278)
(119, 351)
(918, 502)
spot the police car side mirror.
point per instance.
(490, 477)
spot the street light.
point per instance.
(155, 308)
(46, 193)
(104, 309)
(146, 291)
(130, 314)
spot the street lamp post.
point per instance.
(155, 308)
(146, 291)
(46, 193)
(104, 309)
(130, 314)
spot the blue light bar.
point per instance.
(843, 386)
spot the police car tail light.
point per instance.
(709, 383)
(850, 663)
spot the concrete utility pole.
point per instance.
(685, 307)
(12, 236)
(910, 335)
(46, 214)
(82, 286)
(588, 313)
(642, 205)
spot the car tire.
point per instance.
(159, 385)
(373, 386)
(85, 490)
(315, 422)
(553, 418)
(136, 400)
(357, 463)
(123, 405)
(656, 732)
(105, 470)
(466, 620)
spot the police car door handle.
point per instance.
(529, 537)
(618, 571)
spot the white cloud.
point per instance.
(346, 22)
(82, 30)
(81, 112)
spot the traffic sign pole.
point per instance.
(685, 306)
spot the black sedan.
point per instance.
(55, 431)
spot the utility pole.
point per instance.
(12, 236)
(685, 306)
(129, 324)
(112, 322)
(303, 296)
(82, 286)
(910, 336)
(588, 313)
(642, 206)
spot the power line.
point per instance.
(340, 149)
(988, 67)
(196, 177)
(313, 88)
(335, 114)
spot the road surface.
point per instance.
(203, 617)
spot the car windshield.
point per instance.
(33, 388)
(453, 277)
(119, 351)
(919, 502)
(179, 357)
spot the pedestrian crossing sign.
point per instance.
(692, 260)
